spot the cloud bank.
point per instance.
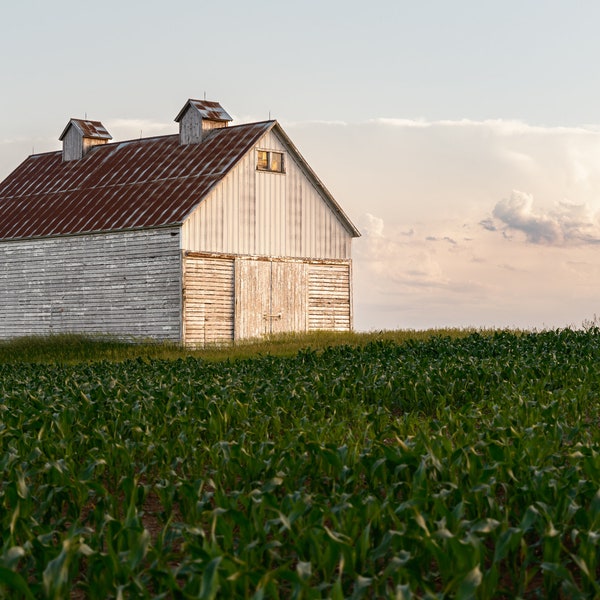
(567, 223)
(444, 241)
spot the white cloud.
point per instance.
(504, 127)
(372, 226)
(124, 129)
(567, 223)
(402, 258)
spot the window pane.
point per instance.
(263, 160)
(276, 162)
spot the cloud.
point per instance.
(517, 213)
(566, 224)
(372, 226)
(7, 141)
(513, 262)
(123, 129)
(290, 123)
(402, 258)
(504, 127)
(446, 238)
(488, 224)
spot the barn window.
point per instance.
(270, 161)
(276, 163)
(263, 161)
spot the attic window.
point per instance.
(270, 161)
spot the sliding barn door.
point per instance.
(271, 297)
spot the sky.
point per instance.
(462, 138)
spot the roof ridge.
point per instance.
(217, 130)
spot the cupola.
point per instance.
(198, 117)
(80, 135)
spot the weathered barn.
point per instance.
(219, 233)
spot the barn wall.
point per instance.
(229, 297)
(271, 214)
(126, 284)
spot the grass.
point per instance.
(75, 348)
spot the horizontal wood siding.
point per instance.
(126, 284)
(208, 300)
(329, 297)
(232, 297)
(269, 214)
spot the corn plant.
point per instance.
(442, 467)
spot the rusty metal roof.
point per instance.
(208, 109)
(88, 129)
(149, 182)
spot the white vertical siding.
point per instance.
(126, 284)
(252, 298)
(270, 214)
(72, 144)
(289, 297)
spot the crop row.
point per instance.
(465, 468)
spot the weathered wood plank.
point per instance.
(124, 283)
(329, 297)
(208, 290)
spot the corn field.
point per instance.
(440, 468)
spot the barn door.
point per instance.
(289, 295)
(271, 297)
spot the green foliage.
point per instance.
(463, 466)
(75, 348)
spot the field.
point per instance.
(423, 466)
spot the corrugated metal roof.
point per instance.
(89, 129)
(208, 109)
(149, 182)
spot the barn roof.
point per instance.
(208, 109)
(89, 129)
(143, 183)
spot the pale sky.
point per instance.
(462, 138)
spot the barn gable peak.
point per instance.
(80, 135)
(197, 117)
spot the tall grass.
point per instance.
(75, 348)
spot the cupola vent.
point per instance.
(198, 117)
(80, 135)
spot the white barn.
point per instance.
(219, 233)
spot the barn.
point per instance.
(218, 233)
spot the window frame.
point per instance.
(269, 161)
